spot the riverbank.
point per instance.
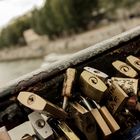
(20, 53)
(69, 44)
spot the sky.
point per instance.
(10, 9)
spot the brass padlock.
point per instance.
(111, 122)
(40, 126)
(69, 134)
(92, 86)
(117, 98)
(101, 122)
(83, 120)
(129, 85)
(106, 131)
(62, 130)
(124, 69)
(67, 85)
(134, 62)
(103, 76)
(37, 103)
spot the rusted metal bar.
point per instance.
(100, 56)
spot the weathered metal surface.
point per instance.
(47, 81)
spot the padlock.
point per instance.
(55, 131)
(92, 86)
(134, 62)
(57, 136)
(69, 134)
(117, 98)
(83, 120)
(40, 126)
(62, 129)
(4, 134)
(124, 69)
(24, 130)
(111, 122)
(103, 76)
(67, 85)
(99, 119)
(37, 103)
(129, 85)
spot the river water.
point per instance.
(14, 69)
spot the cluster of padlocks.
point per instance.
(104, 108)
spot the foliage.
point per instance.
(60, 17)
(13, 33)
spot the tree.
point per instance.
(12, 34)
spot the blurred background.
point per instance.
(36, 33)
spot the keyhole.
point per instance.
(125, 68)
(137, 63)
(31, 99)
(96, 71)
(94, 80)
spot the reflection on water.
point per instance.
(14, 69)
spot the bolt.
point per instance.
(40, 123)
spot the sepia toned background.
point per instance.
(36, 33)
